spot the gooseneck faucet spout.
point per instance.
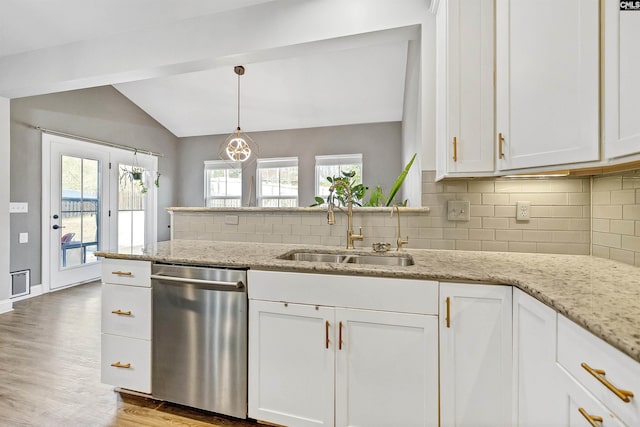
(351, 236)
(399, 241)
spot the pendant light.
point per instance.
(238, 147)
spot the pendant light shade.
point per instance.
(238, 147)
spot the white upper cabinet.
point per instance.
(547, 82)
(621, 82)
(465, 87)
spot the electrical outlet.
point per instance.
(231, 219)
(458, 210)
(523, 211)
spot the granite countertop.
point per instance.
(601, 295)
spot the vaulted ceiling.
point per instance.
(361, 84)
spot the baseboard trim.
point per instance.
(35, 291)
(6, 306)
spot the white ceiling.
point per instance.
(36, 24)
(353, 85)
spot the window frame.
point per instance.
(211, 165)
(276, 163)
(336, 160)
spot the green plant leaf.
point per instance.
(399, 181)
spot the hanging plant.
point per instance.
(134, 175)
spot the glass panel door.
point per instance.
(78, 218)
(79, 213)
(132, 195)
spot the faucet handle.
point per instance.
(401, 242)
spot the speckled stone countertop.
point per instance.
(601, 295)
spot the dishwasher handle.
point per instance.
(236, 285)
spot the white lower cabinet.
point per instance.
(475, 355)
(553, 386)
(291, 364)
(126, 324)
(539, 380)
(386, 369)
(314, 365)
(611, 377)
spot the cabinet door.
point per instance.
(476, 387)
(387, 369)
(621, 83)
(547, 82)
(291, 363)
(470, 101)
(537, 373)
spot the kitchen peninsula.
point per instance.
(601, 296)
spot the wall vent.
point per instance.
(20, 283)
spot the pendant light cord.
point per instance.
(238, 102)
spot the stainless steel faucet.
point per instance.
(351, 236)
(399, 241)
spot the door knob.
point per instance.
(55, 227)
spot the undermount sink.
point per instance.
(402, 260)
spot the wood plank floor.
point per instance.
(50, 370)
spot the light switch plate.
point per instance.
(18, 207)
(24, 238)
(458, 210)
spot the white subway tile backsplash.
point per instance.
(626, 227)
(566, 217)
(606, 239)
(607, 183)
(621, 255)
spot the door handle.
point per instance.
(56, 226)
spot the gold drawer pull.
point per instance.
(591, 419)
(122, 313)
(599, 374)
(448, 317)
(500, 143)
(121, 365)
(122, 273)
(326, 334)
(455, 149)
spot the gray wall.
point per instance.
(100, 113)
(379, 143)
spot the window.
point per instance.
(222, 184)
(334, 166)
(277, 182)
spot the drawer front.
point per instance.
(576, 347)
(126, 311)
(134, 359)
(581, 407)
(371, 293)
(126, 272)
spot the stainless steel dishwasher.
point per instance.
(200, 337)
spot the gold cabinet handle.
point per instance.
(122, 313)
(448, 317)
(591, 419)
(455, 149)
(326, 334)
(500, 143)
(599, 374)
(340, 337)
(122, 273)
(121, 365)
